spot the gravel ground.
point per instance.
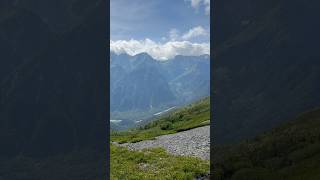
(194, 142)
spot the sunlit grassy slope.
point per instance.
(157, 163)
(154, 164)
(194, 115)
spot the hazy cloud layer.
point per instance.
(160, 51)
(195, 32)
(174, 44)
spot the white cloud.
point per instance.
(195, 32)
(160, 51)
(190, 34)
(197, 3)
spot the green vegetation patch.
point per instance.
(189, 117)
(154, 164)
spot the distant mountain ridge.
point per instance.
(141, 83)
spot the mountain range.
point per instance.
(146, 86)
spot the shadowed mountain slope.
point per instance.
(53, 85)
(266, 67)
(290, 151)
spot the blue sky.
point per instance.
(160, 26)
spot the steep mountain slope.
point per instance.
(16, 37)
(266, 67)
(71, 14)
(290, 151)
(45, 79)
(142, 87)
(188, 76)
(53, 93)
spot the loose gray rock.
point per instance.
(194, 142)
